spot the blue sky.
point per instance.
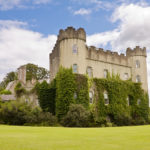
(52, 15)
(29, 28)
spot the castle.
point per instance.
(71, 50)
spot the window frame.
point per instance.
(91, 73)
(105, 71)
(137, 64)
(75, 68)
(138, 78)
(106, 98)
(74, 49)
(91, 97)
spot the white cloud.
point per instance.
(133, 29)
(19, 46)
(41, 1)
(10, 4)
(11, 23)
(82, 11)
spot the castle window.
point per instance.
(137, 64)
(138, 102)
(75, 95)
(105, 73)
(128, 101)
(91, 97)
(89, 71)
(126, 76)
(74, 49)
(138, 78)
(75, 68)
(106, 98)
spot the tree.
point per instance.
(46, 95)
(35, 72)
(11, 76)
(77, 116)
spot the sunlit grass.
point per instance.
(58, 138)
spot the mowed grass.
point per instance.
(58, 138)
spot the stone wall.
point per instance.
(96, 58)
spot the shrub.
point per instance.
(21, 113)
(19, 90)
(5, 92)
(77, 116)
(46, 96)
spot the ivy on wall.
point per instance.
(65, 89)
(82, 90)
(119, 93)
(47, 95)
(128, 103)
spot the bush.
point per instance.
(46, 96)
(77, 116)
(21, 113)
(5, 92)
(19, 90)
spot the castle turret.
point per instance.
(22, 74)
(137, 58)
(69, 51)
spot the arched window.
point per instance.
(89, 71)
(138, 78)
(137, 64)
(75, 68)
(91, 97)
(106, 98)
(74, 49)
(105, 73)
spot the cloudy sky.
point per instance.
(28, 28)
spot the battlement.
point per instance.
(137, 51)
(106, 56)
(71, 32)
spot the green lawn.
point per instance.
(58, 138)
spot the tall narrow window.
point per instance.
(138, 78)
(138, 102)
(75, 68)
(128, 101)
(137, 64)
(126, 76)
(91, 97)
(74, 49)
(75, 95)
(89, 71)
(106, 98)
(105, 73)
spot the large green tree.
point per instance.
(33, 71)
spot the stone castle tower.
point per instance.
(71, 51)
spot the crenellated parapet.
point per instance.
(98, 54)
(137, 51)
(70, 33)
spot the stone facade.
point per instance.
(71, 51)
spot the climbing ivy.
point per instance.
(47, 95)
(118, 109)
(82, 90)
(65, 89)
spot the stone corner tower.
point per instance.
(137, 58)
(69, 51)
